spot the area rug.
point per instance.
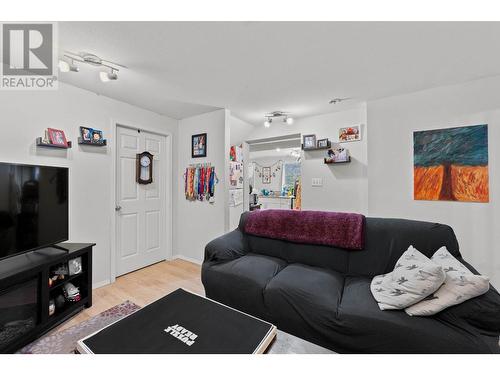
(64, 342)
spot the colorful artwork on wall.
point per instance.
(350, 134)
(451, 164)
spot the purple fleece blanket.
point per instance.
(344, 230)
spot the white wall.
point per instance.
(344, 185)
(239, 131)
(25, 115)
(197, 222)
(390, 149)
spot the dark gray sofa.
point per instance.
(322, 293)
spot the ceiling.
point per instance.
(182, 69)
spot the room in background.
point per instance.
(451, 164)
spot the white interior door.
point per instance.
(141, 227)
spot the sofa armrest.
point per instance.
(227, 247)
(481, 312)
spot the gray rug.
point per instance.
(64, 342)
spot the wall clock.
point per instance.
(144, 169)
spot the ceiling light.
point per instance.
(278, 149)
(108, 76)
(277, 114)
(65, 66)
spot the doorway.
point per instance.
(274, 176)
(141, 210)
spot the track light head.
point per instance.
(65, 66)
(267, 123)
(288, 120)
(108, 76)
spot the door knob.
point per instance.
(118, 208)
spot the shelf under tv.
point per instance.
(40, 143)
(95, 144)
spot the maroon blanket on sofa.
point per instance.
(344, 230)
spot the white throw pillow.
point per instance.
(459, 286)
(414, 277)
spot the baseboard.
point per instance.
(187, 259)
(100, 284)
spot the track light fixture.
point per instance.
(277, 114)
(90, 59)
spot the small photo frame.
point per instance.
(75, 266)
(86, 134)
(322, 143)
(57, 137)
(199, 145)
(309, 141)
(350, 134)
(97, 136)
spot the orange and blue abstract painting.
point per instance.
(451, 164)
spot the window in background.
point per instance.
(291, 174)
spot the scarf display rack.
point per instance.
(199, 182)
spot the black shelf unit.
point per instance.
(337, 162)
(34, 267)
(95, 144)
(39, 143)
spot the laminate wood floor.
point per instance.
(143, 287)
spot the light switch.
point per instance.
(317, 181)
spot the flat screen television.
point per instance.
(33, 207)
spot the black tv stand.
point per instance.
(57, 246)
(25, 292)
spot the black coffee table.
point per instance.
(182, 323)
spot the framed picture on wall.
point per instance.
(199, 145)
(350, 134)
(266, 175)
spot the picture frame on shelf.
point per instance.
(97, 136)
(199, 145)
(309, 141)
(86, 133)
(57, 137)
(322, 143)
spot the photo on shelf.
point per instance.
(86, 134)
(323, 142)
(309, 141)
(90, 135)
(57, 137)
(75, 266)
(337, 154)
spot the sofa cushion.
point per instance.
(414, 278)
(387, 239)
(246, 277)
(301, 297)
(363, 328)
(459, 286)
(313, 255)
